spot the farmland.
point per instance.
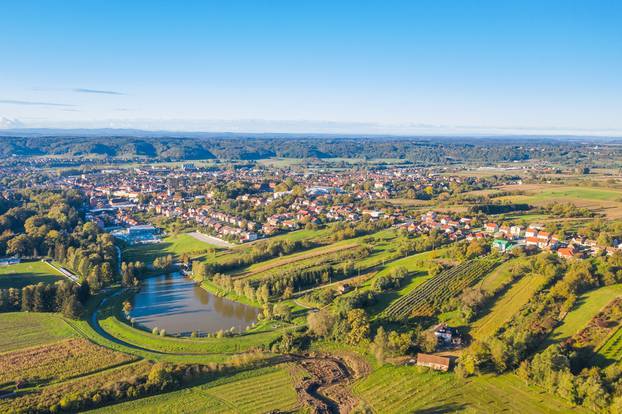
(409, 389)
(62, 393)
(22, 330)
(297, 259)
(588, 305)
(611, 351)
(433, 292)
(58, 361)
(500, 276)
(390, 266)
(599, 199)
(27, 273)
(260, 391)
(506, 306)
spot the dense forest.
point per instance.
(252, 147)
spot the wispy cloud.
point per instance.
(33, 103)
(97, 91)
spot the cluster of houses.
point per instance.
(455, 229)
(115, 195)
(535, 237)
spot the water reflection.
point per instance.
(176, 304)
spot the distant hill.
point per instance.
(167, 145)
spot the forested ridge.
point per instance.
(420, 150)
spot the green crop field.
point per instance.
(411, 389)
(23, 330)
(583, 193)
(174, 245)
(612, 349)
(258, 391)
(27, 273)
(506, 306)
(586, 307)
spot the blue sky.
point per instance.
(314, 66)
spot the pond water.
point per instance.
(179, 306)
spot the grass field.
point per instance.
(27, 273)
(506, 306)
(583, 193)
(258, 391)
(174, 245)
(586, 307)
(498, 277)
(411, 389)
(23, 330)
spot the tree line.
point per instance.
(62, 296)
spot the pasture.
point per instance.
(25, 329)
(258, 391)
(27, 273)
(406, 389)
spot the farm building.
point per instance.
(447, 336)
(435, 362)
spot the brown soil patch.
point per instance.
(324, 386)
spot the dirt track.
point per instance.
(325, 390)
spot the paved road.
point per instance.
(211, 240)
(65, 272)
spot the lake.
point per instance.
(178, 305)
